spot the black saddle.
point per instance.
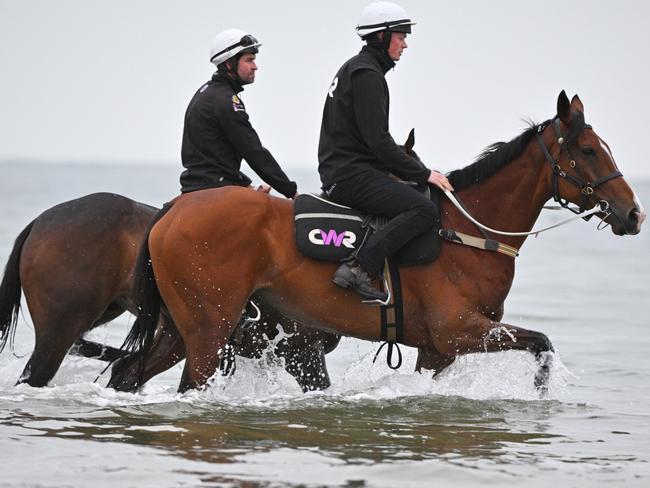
(328, 231)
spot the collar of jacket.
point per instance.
(385, 63)
(223, 78)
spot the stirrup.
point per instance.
(247, 320)
(380, 302)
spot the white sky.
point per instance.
(96, 81)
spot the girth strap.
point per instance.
(477, 242)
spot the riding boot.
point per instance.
(351, 275)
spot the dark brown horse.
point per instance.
(75, 265)
(211, 250)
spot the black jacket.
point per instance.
(354, 133)
(217, 135)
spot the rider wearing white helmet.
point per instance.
(217, 132)
(356, 152)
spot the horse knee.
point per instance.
(542, 343)
(431, 359)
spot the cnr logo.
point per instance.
(322, 238)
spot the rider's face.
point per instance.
(246, 68)
(397, 45)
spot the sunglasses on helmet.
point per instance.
(245, 41)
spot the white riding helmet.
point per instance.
(381, 16)
(231, 42)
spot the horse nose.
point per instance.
(635, 219)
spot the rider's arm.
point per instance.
(243, 137)
(371, 115)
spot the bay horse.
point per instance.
(75, 263)
(209, 251)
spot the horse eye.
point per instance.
(587, 151)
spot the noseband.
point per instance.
(586, 187)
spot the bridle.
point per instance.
(587, 188)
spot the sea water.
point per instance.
(481, 422)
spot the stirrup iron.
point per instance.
(247, 320)
(380, 302)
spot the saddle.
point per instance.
(328, 231)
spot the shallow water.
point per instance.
(480, 422)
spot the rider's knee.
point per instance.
(427, 210)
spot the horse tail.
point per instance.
(11, 290)
(147, 299)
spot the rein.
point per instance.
(601, 206)
(586, 189)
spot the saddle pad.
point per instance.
(328, 231)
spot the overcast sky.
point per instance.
(96, 81)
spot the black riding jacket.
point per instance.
(354, 134)
(217, 135)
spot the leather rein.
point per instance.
(587, 188)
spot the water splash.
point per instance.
(264, 381)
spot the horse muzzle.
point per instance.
(626, 223)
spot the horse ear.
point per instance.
(410, 142)
(563, 108)
(576, 104)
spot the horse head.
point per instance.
(585, 173)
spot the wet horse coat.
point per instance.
(205, 273)
(75, 264)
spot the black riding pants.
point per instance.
(410, 213)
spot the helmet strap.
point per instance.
(229, 68)
(387, 38)
(380, 42)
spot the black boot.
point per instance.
(351, 275)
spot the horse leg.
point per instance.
(302, 348)
(95, 350)
(330, 340)
(309, 369)
(204, 349)
(304, 354)
(205, 330)
(53, 340)
(167, 350)
(305, 360)
(480, 334)
(431, 359)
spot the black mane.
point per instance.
(494, 157)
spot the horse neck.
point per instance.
(512, 198)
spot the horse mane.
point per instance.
(494, 157)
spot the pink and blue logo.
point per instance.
(332, 238)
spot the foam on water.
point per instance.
(479, 422)
(265, 383)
